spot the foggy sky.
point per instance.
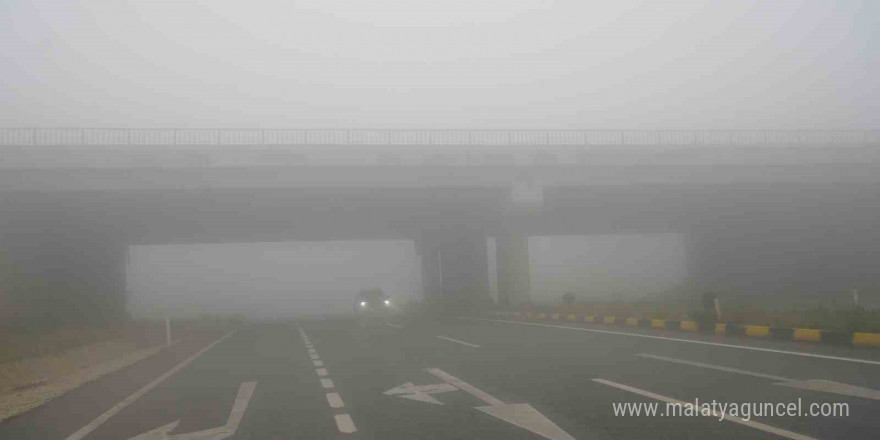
(584, 64)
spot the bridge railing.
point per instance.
(158, 137)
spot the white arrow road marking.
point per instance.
(245, 391)
(830, 386)
(519, 414)
(826, 386)
(749, 423)
(422, 393)
(464, 386)
(524, 416)
(94, 424)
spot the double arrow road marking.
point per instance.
(518, 414)
(421, 393)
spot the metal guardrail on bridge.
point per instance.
(174, 137)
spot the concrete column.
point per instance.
(512, 259)
(429, 251)
(455, 271)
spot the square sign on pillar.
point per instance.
(526, 194)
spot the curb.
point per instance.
(858, 339)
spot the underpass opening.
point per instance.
(269, 280)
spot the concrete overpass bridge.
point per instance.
(764, 212)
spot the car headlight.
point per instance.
(387, 302)
(363, 303)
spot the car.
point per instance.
(372, 306)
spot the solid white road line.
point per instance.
(321, 371)
(460, 342)
(94, 424)
(345, 424)
(464, 386)
(691, 341)
(393, 325)
(327, 383)
(749, 423)
(716, 367)
(318, 363)
(334, 400)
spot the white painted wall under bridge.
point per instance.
(268, 280)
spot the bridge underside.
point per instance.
(65, 252)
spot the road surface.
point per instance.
(464, 379)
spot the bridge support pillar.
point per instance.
(512, 268)
(455, 271)
(55, 268)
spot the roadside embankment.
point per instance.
(68, 361)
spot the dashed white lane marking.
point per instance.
(94, 424)
(343, 421)
(393, 325)
(345, 424)
(459, 342)
(691, 341)
(751, 424)
(334, 400)
(716, 367)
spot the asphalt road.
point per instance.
(464, 379)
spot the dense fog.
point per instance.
(747, 64)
